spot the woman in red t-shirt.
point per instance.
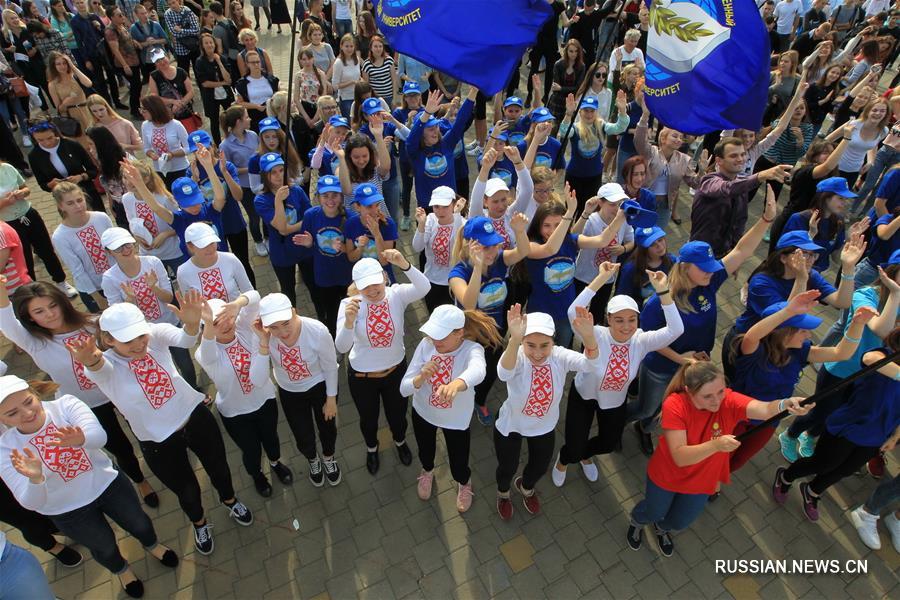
(698, 417)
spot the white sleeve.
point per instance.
(248, 313)
(103, 376)
(660, 338)
(240, 275)
(327, 357)
(255, 181)
(419, 239)
(476, 202)
(16, 333)
(162, 276)
(505, 375)
(343, 341)
(29, 495)
(524, 192)
(407, 388)
(582, 299)
(207, 357)
(70, 258)
(172, 335)
(476, 368)
(78, 414)
(260, 369)
(111, 289)
(576, 361)
(416, 289)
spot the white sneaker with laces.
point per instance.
(67, 289)
(866, 526)
(590, 471)
(262, 249)
(472, 144)
(475, 151)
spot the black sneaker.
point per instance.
(644, 438)
(316, 474)
(152, 500)
(69, 557)
(635, 536)
(283, 473)
(405, 454)
(169, 559)
(240, 513)
(372, 462)
(664, 541)
(262, 485)
(203, 539)
(332, 472)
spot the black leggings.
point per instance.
(834, 458)
(327, 300)
(237, 243)
(287, 279)
(300, 410)
(599, 301)
(491, 357)
(584, 188)
(36, 528)
(436, 296)
(369, 393)
(168, 459)
(253, 221)
(457, 441)
(117, 443)
(508, 448)
(579, 419)
(254, 432)
(134, 87)
(35, 237)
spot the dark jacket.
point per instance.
(719, 212)
(73, 156)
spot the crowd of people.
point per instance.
(551, 257)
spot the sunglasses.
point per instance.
(599, 75)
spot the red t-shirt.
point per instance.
(15, 269)
(680, 414)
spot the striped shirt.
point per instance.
(380, 77)
(786, 151)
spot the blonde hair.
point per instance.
(482, 329)
(98, 100)
(247, 32)
(680, 286)
(153, 181)
(59, 192)
(460, 247)
(692, 376)
(545, 175)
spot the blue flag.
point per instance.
(476, 41)
(707, 65)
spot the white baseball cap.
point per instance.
(217, 305)
(124, 321)
(200, 235)
(539, 322)
(10, 384)
(275, 308)
(612, 192)
(494, 185)
(366, 272)
(116, 237)
(442, 196)
(620, 303)
(445, 319)
(139, 229)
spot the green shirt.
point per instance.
(11, 180)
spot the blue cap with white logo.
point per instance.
(199, 138)
(431, 122)
(638, 216)
(589, 103)
(801, 321)
(269, 124)
(269, 161)
(339, 121)
(328, 183)
(367, 195)
(835, 185)
(797, 239)
(186, 192)
(481, 229)
(700, 254)
(371, 106)
(646, 236)
(540, 115)
(411, 87)
(513, 101)
(501, 136)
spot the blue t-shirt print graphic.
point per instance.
(435, 165)
(588, 149)
(543, 160)
(492, 294)
(559, 273)
(329, 241)
(503, 174)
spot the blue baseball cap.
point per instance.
(501, 135)
(893, 260)
(542, 114)
(835, 185)
(367, 195)
(637, 216)
(589, 102)
(371, 106)
(513, 101)
(339, 121)
(411, 87)
(269, 161)
(700, 254)
(187, 193)
(431, 122)
(481, 229)
(797, 239)
(269, 124)
(328, 183)
(802, 321)
(199, 137)
(645, 236)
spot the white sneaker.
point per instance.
(590, 471)
(262, 249)
(26, 141)
(866, 526)
(559, 477)
(475, 151)
(67, 289)
(893, 526)
(471, 145)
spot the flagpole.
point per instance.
(290, 84)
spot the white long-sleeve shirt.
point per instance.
(311, 360)
(150, 392)
(135, 208)
(619, 362)
(73, 477)
(52, 357)
(81, 251)
(226, 279)
(154, 309)
(437, 242)
(229, 365)
(588, 262)
(466, 362)
(376, 341)
(533, 392)
(524, 203)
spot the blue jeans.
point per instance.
(390, 188)
(668, 511)
(663, 212)
(342, 27)
(345, 105)
(885, 158)
(865, 274)
(651, 391)
(887, 492)
(88, 525)
(17, 110)
(564, 334)
(21, 575)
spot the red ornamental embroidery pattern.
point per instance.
(379, 325)
(68, 463)
(500, 227)
(440, 246)
(158, 140)
(154, 380)
(604, 254)
(146, 214)
(540, 396)
(616, 375)
(440, 377)
(83, 382)
(90, 240)
(240, 362)
(146, 299)
(292, 362)
(212, 285)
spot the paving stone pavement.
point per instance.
(371, 537)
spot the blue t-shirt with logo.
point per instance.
(699, 326)
(330, 162)
(517, 131)
(872, 414)
(548, 154)
(390, 130)
(586, 159)
(890, 191)
(757, 377)
(502, 169)
(207, 214)
(882, 249)
(232, 217)
(552, 289)
(330, 263)
(824, 238)
(354, 228)
(492, 297)
(764, 290)
(283, 252)
(625, 281)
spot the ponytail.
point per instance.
(693, 375)
(482, 329)
(42, 389)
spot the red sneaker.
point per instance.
(876, 466)
(504, 508)
(532, 503)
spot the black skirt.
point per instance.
(279, 11)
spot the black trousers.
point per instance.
(253, 221)
(457, 441)
(369, 393)
(169, 461)
(508, 448)
(437, 295)
(584, 187)
(134, 87)
(327, 300)
(211, 108)
(491, 357)
(834, 458)
(35, 238)
(287, 279)
(36, 528)
(254, 432)
(186, 61)
(599, 301)
(579, 419)
(117, 443)
(301, 409)
(237, 243)
(550, 56)
(9, 148)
